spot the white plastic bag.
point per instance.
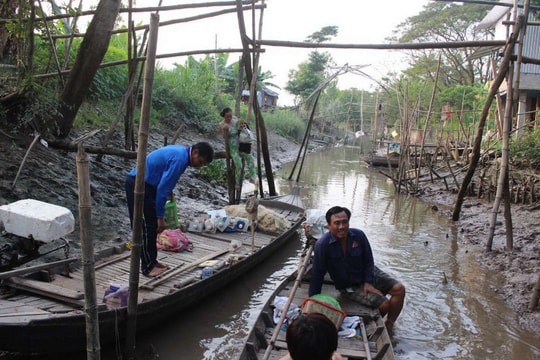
(246, 136)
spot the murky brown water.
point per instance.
(464, 319)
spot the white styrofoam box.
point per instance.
(41, 220)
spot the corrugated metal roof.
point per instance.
(494, 15)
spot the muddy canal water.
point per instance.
(464, 318)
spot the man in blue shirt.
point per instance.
(164, 167)
(346, 255)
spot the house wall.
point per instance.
(531, 49)
(530, 73)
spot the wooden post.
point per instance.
(131, 323)
(93, 346)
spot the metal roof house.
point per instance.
(529, 81)
(267, 98)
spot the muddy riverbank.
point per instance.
(521, 267)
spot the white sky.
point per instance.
(358, 22)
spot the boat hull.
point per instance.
(66, 332)
(262, 332)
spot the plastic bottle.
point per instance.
(171, 214)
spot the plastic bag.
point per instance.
(246, 136)
(173, 240)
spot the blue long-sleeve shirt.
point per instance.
(356, 268)
(164, 167)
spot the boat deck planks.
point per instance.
(118, 267)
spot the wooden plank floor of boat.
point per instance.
(184, 267)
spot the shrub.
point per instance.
(526, 149)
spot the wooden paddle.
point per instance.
(300, 274)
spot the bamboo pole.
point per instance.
(36, 137)
(348, 116)
(433, 92)
(502, 185)
(362, 111)
(263, 140)
(131, 322)
(166, 23)
(253, 97)
(53, 47)
(395, 46)
(494, 88)
(364, 334)
(499, 116)
(373, 124)
(131, 9)
(300, 273)
(93, 346)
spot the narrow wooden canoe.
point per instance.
(48, 317)
(262, 332)
(391, 160)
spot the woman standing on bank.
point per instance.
(230, 129)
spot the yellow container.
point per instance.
(171, 214)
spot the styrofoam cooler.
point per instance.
(37, 219)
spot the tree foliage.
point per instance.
(446, 22)
(325, 34)
(311, 73)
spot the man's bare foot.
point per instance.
(155, 272)
(162, 265)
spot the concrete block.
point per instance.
(41, 220)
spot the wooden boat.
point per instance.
(47, 316)
(260, 337)
(388, 160)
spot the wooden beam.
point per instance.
(32, 269)
(395, 46)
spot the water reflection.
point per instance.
(462, 319)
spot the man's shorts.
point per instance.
(381, 281)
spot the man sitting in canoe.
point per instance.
(345, 253)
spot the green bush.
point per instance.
(526, 149)
(285, 123)
(216, 170)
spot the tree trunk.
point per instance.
(8, 39)
(89, 57)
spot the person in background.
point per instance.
(230, 129)
(345, 253)
(164, 167)
(312, 337)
